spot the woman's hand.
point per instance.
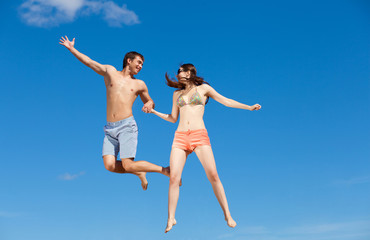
(148, 107)
(255, 107)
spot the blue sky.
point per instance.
(298, 169)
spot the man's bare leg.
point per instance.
(112, 165)
(131, 166)
(142, 177)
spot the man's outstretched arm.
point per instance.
(97, 67)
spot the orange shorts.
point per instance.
(191, 139)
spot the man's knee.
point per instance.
(109, 163)
(110, 167)
(128, 165)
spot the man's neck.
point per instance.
(127, 73)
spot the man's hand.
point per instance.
(68, 44)
(148, 107)
(255, 107)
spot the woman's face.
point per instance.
(182, 75)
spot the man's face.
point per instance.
(136, 64)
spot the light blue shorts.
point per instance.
(121, 137)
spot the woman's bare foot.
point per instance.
(170, 224)
(166, 171)
(144, 182)
(230, 222)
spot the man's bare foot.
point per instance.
(170, 224)
(144, 182)
(166, 171)
(230, 222)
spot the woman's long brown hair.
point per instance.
(196, 80)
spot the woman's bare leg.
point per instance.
(205, 155)
(177, 163)
(112, 165)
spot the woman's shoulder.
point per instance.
(177, 92)
(205, 86)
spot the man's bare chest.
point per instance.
(122, 88)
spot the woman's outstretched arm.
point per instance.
(175, 110)
(210, 92)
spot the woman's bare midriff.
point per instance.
(191, 118)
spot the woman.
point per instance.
(191, 135)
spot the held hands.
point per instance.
(68, 44)
(255, 107)
(148, 107)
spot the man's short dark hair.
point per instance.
(131, 55)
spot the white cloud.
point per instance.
(69, 177)
(50, 13)
(113, 15)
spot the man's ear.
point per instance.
(129, 61)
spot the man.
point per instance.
(121, 130)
